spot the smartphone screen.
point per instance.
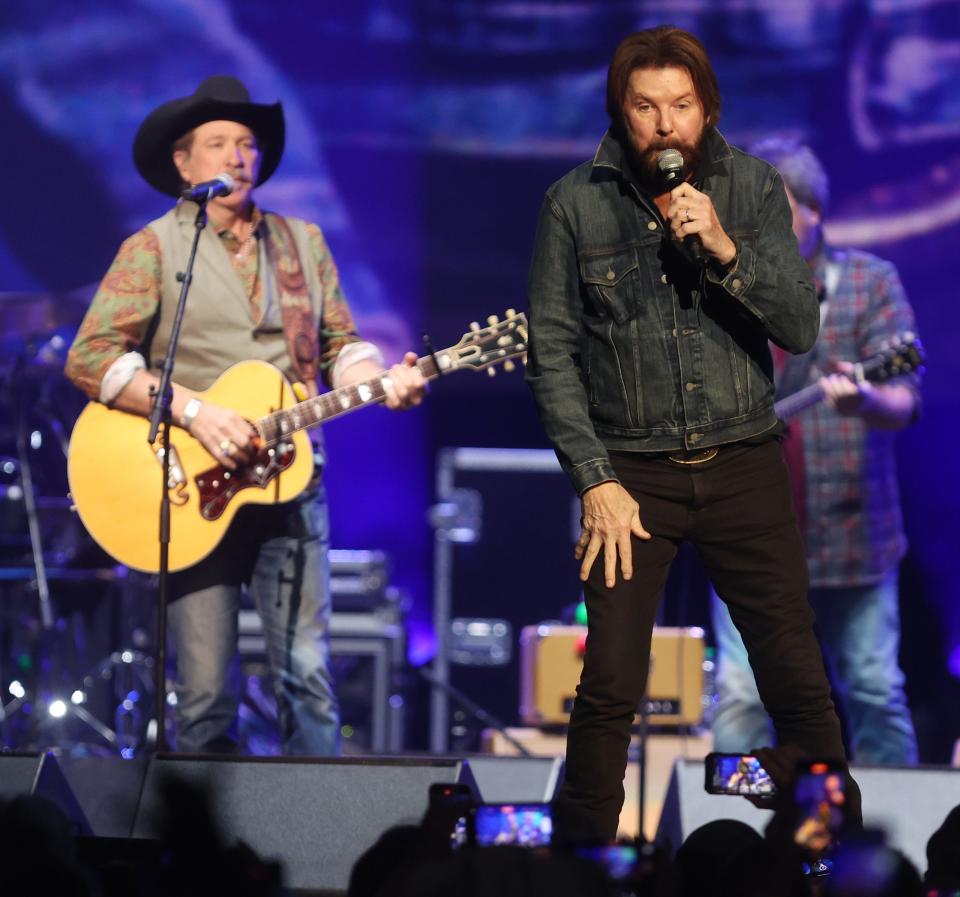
(523, 825)
(820, 798)
(816, 868)
(736, 774)
(448, 810)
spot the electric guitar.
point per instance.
(903, 356)
(115, 474)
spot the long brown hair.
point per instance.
(657, 48)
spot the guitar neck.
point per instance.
(882, 367)
(319, 409)
(793, 404)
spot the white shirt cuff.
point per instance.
(349, 355)
(119, 374)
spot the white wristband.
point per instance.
(190, 411)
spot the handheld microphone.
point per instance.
(670, 166)
(221, 185)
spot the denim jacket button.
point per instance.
(652, 225)
(691, 387)
(611, 275)
(664, 278)
(736, 283)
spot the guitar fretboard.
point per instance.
(906, 359)
(792, 405)
(312, 412)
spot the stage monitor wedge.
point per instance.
(315, 815)
(39, 774)
(505, 780)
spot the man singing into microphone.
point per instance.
(650, 313)
(266, 287)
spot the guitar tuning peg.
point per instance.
(474, 326)
(511, 313)
(493, 319)
(491, 372)
(508, 366)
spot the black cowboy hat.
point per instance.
(220, 97)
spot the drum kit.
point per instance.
(76, 667)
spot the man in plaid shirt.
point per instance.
(843, 472)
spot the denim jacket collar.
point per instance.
(610, 152)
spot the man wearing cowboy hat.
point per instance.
(265, 287)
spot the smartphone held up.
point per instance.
(736, 774)
(520, 825)
(820, 796)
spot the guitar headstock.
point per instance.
(903, 355)
(484, 347)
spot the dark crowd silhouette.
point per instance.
(40, 854)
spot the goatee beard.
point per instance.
(644, 163)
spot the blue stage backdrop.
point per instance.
(421, 136)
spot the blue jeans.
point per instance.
(279, 555)
(859, 632)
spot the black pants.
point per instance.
(737, 511)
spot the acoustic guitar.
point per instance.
(115, 474)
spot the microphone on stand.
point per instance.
(670, 166)
(221, 185)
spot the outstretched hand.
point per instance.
(610, 517)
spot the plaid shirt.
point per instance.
(853, 524)
(118, 320)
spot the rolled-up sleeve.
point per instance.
(120, 314)
(337, 327)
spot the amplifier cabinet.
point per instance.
(551, 658)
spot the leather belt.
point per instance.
(686, 457)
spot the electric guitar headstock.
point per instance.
(903, 355)
(482, 348)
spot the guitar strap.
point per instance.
(293, 294)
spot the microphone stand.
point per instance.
(475, 710)
(30, 507)
(161, 413)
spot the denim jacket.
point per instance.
(636, 347)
